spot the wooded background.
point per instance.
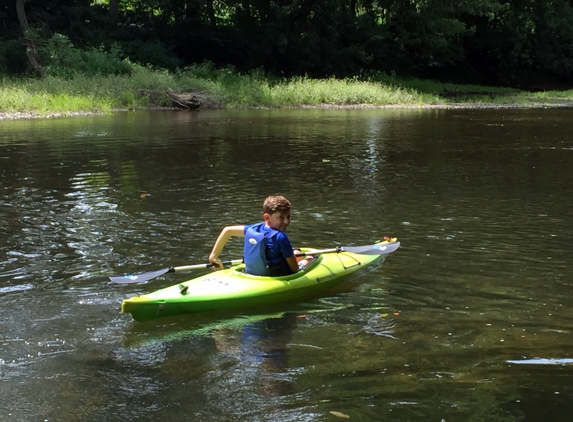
(520, 43)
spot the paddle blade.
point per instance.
(378, 249)
(138, 278)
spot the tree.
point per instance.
(113, 9)
(26, 39)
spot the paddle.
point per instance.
(141, 277)
(377, 249)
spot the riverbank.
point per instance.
(50, 97)
(34, 115)
(7, 116)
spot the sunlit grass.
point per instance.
(314, 92)
(145, 88)
(45, 97)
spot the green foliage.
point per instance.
(128, 98)
(525, 43)
(153, 53)
(206, 70)
(145, 87)
(63, 59)
(12, 57)
(32, 97)
(481, 41)
(331, 91)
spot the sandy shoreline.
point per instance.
(35, 115)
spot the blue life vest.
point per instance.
(256, 237)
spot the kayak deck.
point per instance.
(233, 288)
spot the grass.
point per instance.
(314, 92)
(48, 96)
(144, 88)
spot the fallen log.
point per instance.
(183, 100)
(186, 100)
(192, 100)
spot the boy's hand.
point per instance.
(216, 262)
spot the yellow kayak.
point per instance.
(232, 288)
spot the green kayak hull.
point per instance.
(232, 288)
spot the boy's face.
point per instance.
(279, 220)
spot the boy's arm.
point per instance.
(221, 241)
(286, 250)
(292, 263)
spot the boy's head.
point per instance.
(273, 204)
(276, 212)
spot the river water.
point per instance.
(470, 320)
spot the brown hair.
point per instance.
(273, 204)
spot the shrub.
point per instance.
(12, 58)
(153, 53)
(63, 59)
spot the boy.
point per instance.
(267, 248)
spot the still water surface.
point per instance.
(469, 321)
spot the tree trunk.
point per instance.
(211, 13)
(353, 8)
(27, 41)
(114, 9)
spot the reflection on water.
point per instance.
(469, 320)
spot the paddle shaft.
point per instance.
(141, 277)
(376, 249)
(201, 266)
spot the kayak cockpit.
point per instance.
(239, 270)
